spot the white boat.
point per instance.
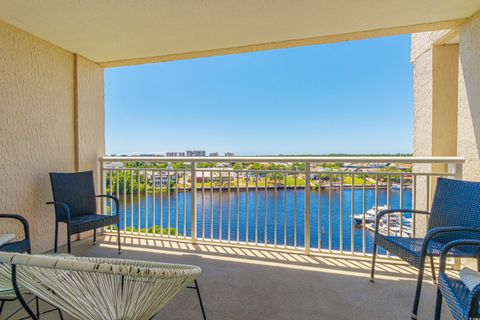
(370, 215)
(406, 230)
(396, 187)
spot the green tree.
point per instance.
(128, 182)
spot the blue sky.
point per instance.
(351, 97)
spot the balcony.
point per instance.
(276, 237)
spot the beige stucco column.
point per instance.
(90, 116)
(89, 119)
(435, 108)
(469, 99)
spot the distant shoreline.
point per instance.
(252, 188)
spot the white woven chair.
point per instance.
(8, 294)
(98, 288)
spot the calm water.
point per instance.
(147, 210)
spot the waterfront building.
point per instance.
(172, 154)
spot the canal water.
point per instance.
(289, 207)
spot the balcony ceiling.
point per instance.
(122, 32)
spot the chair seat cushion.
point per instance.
(410, 249)
(5, 238)
(470, 278)
(91, 221)
(16, 246)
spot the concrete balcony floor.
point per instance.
(255, 283)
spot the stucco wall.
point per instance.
(37, 132)
(445, 99)
(423, 42)
(469, 99)
(422, 129)
(435, 109)
(91, 119)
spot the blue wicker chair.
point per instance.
(7, 293)
(20, 246)
(455, 214)
(75, 204)
(463, 303)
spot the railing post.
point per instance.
(193, 201)
(103, 186)
(307, 208)
(456, 169)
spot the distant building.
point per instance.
(202, 176)
(162, 178)
(113, 165)
(148, 155)
(188, 153)
(378, 165)
(214, 154)
(196, 153)
(229, 154)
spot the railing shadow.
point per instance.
(327, 262)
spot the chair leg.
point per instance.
(118, 239)
(478, 262)
(1, 307)
(438, 305)
(55, 246)
(69, 239)
(374, 258)
(432, 266)
(200, 300)
(37, 306)
(60, 314)
(19, 295)
(94, 236)
(69, 243)
(418, 291)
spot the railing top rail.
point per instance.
(327, 159)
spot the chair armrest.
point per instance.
(390, 211)
(64, 206)
(436, 231)
(452, 244)
(26, 227)
(115, 199)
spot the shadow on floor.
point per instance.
(265, 283)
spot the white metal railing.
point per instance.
(290, 202)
